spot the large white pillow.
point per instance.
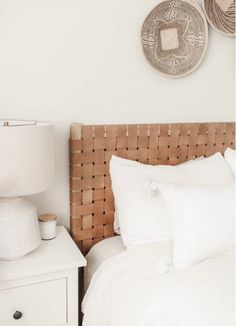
(230, 156)
(203, 220)
(144, 218)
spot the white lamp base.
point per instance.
(19, 228)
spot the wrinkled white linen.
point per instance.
(135, 288)
(99, 253)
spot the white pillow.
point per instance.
(144, 218)
(203, 221)
(230, 156)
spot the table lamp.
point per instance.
(26, 168)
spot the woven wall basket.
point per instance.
(175, 37)
(221, 15)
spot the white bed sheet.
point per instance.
(132, 288)
(99, 253)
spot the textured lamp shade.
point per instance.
(26, 157)
(26, 167)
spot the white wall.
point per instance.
(81, 60)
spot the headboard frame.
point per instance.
(91, 148)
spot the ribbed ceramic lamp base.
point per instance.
(19, 228)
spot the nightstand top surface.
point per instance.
(54, 255)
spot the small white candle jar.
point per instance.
(48, 226)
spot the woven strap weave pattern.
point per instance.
(91, 148)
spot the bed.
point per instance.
(131, 287)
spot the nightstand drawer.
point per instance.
(41, 304)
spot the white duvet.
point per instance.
(134, 288)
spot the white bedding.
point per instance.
(134, 288)
(99, 253)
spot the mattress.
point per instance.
(135, 287)
(99, 253)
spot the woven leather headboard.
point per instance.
(91, 148)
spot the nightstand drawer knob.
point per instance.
(17, 315)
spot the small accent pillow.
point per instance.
(230, 156)
(203, 220)
(140, 209)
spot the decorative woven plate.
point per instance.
(221, 15)
(175, 37)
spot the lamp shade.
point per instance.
(26, 157)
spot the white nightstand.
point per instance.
(42, 289)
